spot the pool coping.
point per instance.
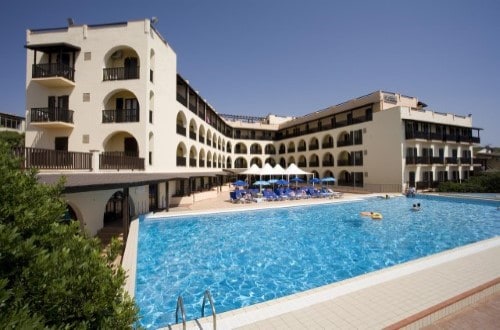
(271, 311)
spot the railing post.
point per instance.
(95, 160)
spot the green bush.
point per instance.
(481, 183)
(51, 274)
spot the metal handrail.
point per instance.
(180, 305)
(208, 296)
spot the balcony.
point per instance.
(118, 160)
(53, 74)
(120, 116)
(327, 163)
(301, 148)
(51, 117)
(466, 161)
(314, 164)
(192, 135)
(192, 162)
(54, 159)
(124, 73)
(181, 130)
(201, 139)
(181, 161)
(327, 145)
(313, 146)
(344, 143)
(451, 160)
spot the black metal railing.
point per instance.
(48, 70)
(327, 163)
(122, 73)
(313, 147)
(119, 160)
(181, 161)
(39, 115)
(181, 130)
(53, 159)
(344, 143)
(327, 145)
(192, 162)
(301, 148)
(201, 139)
(120, 116)
(192, 135)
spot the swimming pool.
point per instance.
(249, 257)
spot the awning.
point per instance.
(54, 47)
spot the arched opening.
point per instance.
(270, 149)
(344, 139)
(192, 129)
(193, 157)
(313, 144)
(229, 163)
(271, 161)
(240, 162)
(121, 144)
(302, 162)
(255, 149)
(282, 148)
(256, 160)
(209, 159)
(229, 147)
(121, 63)
(240, 148)
(291, 160)
(151, 106)
(201, 160)
(151, 148)
(328, 160)
(121, 106)
(181, 154)
(181, 123)
(313, 160)
(327, 142)
(291, 147)
(113, 214)
(283, 162)
(201, 134)
(302, 146)
(344, 158)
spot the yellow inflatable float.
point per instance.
(373, 215)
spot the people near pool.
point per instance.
(416, 207)
(411, 192)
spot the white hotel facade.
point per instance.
(107, 109)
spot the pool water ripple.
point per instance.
(249, 257)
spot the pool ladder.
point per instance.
(180, 307)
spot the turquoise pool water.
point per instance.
(249, 257)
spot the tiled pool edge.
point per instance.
(448, 307)
(129, 262)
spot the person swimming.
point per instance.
(416, 207)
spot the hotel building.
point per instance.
(107, 109)
(12, 123)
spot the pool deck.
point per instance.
(410, 295)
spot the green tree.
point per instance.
(13, 139)
(51, 274)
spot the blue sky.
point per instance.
(291, 57)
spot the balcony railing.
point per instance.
(327, 145)
(201, 163)
(120, 73)
(54, 159)
(192, 162)
(120, 116)
(313, 164)
(39, 115)
(291, 149)
(313, 146)
(181, 161)
(451, 160)
(192, 135)
(301, 148)
(327, 163)
(344, 143)
(48, 70)
(201, 139)
(181, 130)
(118, 160)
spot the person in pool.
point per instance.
(416, 207)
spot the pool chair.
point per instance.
(313, 193)
(326, 193)
(337, 194)
(239, 198)
(269, 195)
(280, 193)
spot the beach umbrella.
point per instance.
(239, 183)
(328, 179)
(314, 180)
(296, 180)
(261, 183)
(282, 182)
